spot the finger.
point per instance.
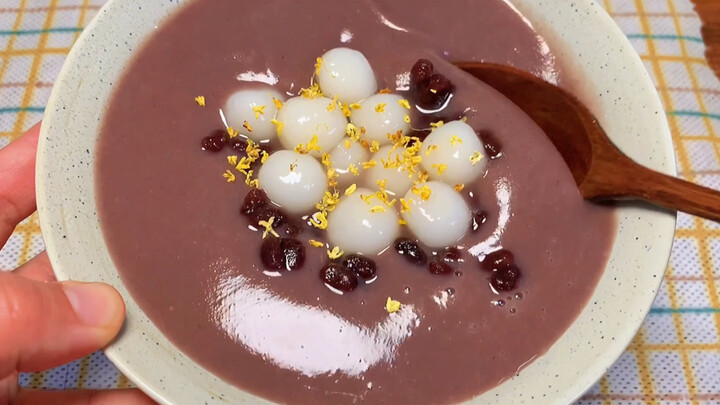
(116, 397)
(38, 268)
(17, 182)
(48, 324)
(8, 388)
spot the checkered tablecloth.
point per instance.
(674, 359)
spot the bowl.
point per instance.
(583, 37)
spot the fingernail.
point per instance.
(95, 304)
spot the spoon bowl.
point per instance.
(602, 172)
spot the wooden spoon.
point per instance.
(600, 169)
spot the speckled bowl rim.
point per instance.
(623, 97)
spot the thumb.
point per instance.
(43, 325)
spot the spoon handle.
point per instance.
(673, 193)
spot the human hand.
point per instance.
(44, 323)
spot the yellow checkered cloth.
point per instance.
(674, 359)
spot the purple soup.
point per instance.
(193, 261)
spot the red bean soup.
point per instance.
(255, 287)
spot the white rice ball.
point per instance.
(304, 117)
(397, 180)
(342, 157)
(442, 219)
(293, 181)
(355, 229)
(256, 107)
(380, 115)
(347, 74)
(456, 154)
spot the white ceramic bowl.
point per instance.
(581, 35)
